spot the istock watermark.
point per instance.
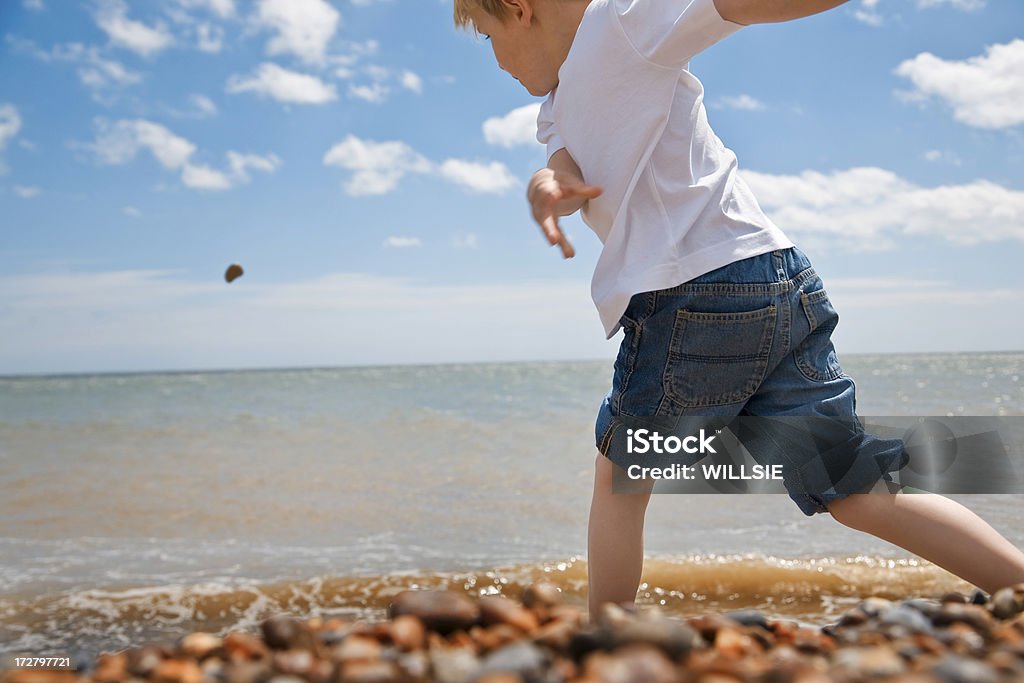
(817, 455)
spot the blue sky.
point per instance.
(366, 163)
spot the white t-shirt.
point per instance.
(632, 117)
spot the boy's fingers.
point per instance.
(589, 191)
(550, 227)
(567, 250)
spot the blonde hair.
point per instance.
(496, 8)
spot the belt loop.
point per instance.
(780, 265)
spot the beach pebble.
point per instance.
(199, 644)
(233, 272)
(673, 637)
(496, 609)
(441, 611)
(908, 617)
(749, 617)
(282, 632)
(927, 607)
(240, 645)
(453, 665)
(874, 662)
(956, 669)
(556, 634)
(297, 662)
(1008, 602)
(356, 647)
(246, 672)
(177, 671)
(975, 616)
(111, 668)
(522, 658)
(873, 606)
(407, 633)
(543, 595)
(733, 643)
(141, 661)
(634, 664)
(954, 597)
(369, 672)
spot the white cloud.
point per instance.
(131, 212)
(493, 177)
(984, 92)
(222, 8)
(410, 81)
(204, 106)
(402, 242)
(240, 164)
(304, 28)
(375, 93)
(966, 5)
(377, 166)
(34, 5)
(377, 72)
(10, 123)
(944, 156)
(26, 191)
(209, 38)
(128, 33)
(867, 16)
(283, 85)
(743, 102)
(518, 127)
(119, 143)
(467, 240)
(864, 209)
(204, 178)
(101, 75)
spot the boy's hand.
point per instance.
(553, 193)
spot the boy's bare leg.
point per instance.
(938, 529)
(615, 543)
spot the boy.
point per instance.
(722, 314)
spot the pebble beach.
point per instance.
(446, 636)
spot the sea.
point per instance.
(136, 508)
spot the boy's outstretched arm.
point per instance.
(769, 11)
(558, 190)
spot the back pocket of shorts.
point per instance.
(815, 356)
(718, 358)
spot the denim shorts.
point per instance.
(750, 338)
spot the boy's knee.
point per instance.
(604, 473)
(859, 510)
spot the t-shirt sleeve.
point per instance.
(547, 134)
(671, 32)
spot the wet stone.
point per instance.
(955, 669)
(284, 632)
(453, 665)
(1008, 602)
(673, 637)
(873, 606)
(495, 609)
(543, 595)
(873, 661)
(441, 611)
(749, 617)
(523, 658)
(907, 617)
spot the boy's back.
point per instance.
(632, 117)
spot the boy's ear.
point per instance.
(520, 11)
